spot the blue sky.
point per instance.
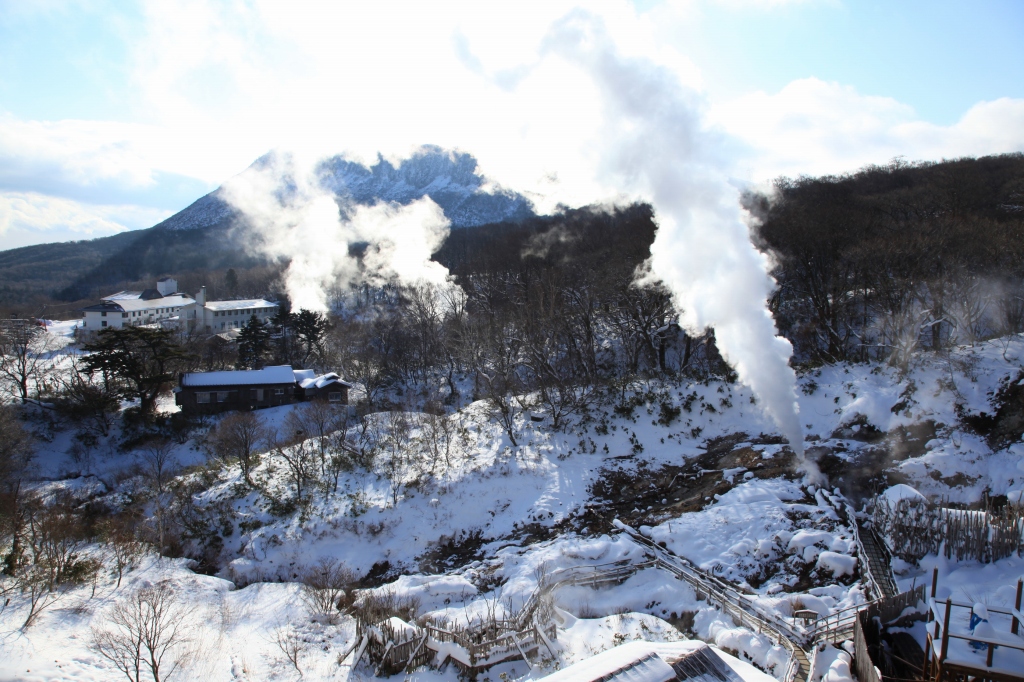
(114, 115)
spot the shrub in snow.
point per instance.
(326, 588)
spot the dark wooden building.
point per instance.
(215, 392)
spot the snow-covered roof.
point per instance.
(131, 305)
(635, 662)
(301, 374)
(128, 305)
(240, 305)
(310, 380)
(278, 374)
(123, 295)
(692, 660)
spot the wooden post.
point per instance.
(945, 631)
(988, 659)
(1020, 587)
(935, 580)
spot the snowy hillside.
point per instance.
(450, 179)
(472, 529)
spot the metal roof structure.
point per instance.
(277, 374)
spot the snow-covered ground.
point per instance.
(464, 537)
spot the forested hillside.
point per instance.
(872, 263)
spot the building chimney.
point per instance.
(201, 296)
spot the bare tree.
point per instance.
(55, 539)
(325, 588)
(145, 633)
(84, 401)
(318, 420)
(238, 438)
(16, 452)
(159, 466)
(34, 583)
(440, 434)
(394, 462)
(25, 360)
(498, 377)
(299, 458)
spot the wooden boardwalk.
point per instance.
(878, 561)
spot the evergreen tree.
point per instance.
(253, 340)
(311, 328)
(231, 281)
(136, 362)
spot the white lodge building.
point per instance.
(219, 316)
(166, 304)
(132, 308)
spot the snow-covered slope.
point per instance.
(694, 465)
(449, 178)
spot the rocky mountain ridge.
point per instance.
(450, 178)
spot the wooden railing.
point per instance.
(515, 637)
(938, 662)
(523, 633)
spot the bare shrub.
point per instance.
(55, 540)
(291, 645)
(145, 633)
(379, 605)
(123, 543)
(326, 588)
(237, 439)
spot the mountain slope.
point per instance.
(201, 236)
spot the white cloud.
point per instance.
(812, 127)
(25, 214)
(219, 84)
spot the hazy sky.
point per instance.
(114, 116)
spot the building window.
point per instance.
(278, 391)
(122, 314)
(104, 323)
(222, 396)
(202, 397)
(257, 393)
(334, 397)
(103, 314)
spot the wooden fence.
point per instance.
(481, 645)
(915, 528)
(869, 661)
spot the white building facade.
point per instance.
(220, 316)
(133, 308)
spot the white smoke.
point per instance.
(654, 146)
(554, 108)
(295, 219)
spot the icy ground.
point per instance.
(713, 481)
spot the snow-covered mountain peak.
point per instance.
(450, 178)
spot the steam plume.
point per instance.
(655, 146)
(295, 219)
(628, 129)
